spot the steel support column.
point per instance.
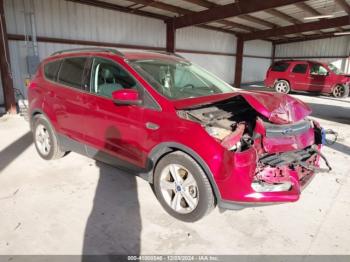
(170, 37)
(239, 62)
(5, 68)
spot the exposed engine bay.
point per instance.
(231, 122)
(281, 148)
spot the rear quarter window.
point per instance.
(279, 67)
(51, 70)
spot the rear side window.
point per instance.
(300, 68)
(279, 67)
(51, 70)
(72, 71)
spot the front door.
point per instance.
(111, 130)
(319, 78)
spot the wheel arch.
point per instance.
(345, 85)
(283, 79)
(32, 114)
(166, 148)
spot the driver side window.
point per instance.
(318, 69)
(107, 77)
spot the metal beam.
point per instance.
(182, 11)
(239, 62)
(43, 39)
(273, 53)
(344, 5)
(293, 29)
(229, 10)
(306, 38)
(170, 37)
(114, 7)
(258, 21)
(250, 18)
(308, 9)
(283, 16)
(5, 68)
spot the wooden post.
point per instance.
(5, 68)
(239, 62)
(170, 37)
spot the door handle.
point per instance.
(152, 126)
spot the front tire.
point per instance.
(341, 91)
(45, 139)
(282, 86)
(182, 187)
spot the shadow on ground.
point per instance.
(114, 224)
(340, 148)
(14, 150)
(331, 113)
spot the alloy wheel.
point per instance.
(339, 91)
(282, 87)
(42, 139)
(179, 188)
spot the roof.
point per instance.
(270, 15)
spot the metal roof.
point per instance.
(248, 23)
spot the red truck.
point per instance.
(310, 76)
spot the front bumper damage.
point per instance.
(273, 171)
(275, 177)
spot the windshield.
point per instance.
(178, 80)
(335, 69)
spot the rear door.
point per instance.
(278, 71)
(69, 108)
(298, 76)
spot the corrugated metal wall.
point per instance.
(254, 69)
(331, 50)
(63, 19)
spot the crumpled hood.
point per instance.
(278, 108)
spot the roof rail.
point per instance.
(91, 49)
(169, 53)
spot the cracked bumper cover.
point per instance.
(296, 168)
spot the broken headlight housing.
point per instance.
(260, 186)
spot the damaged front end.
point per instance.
(275, 149)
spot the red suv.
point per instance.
(295, 75)
(196, 139)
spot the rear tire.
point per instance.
(182, 187)
(282, 86)
(45, 139)
(341, 91)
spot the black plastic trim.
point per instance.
(167, 147)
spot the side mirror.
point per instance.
(126, 97)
